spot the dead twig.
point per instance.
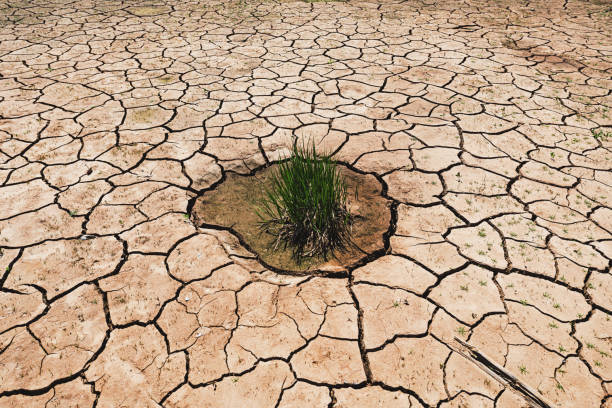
(501, 375)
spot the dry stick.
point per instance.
(502, 375)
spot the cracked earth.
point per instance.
(486, 121)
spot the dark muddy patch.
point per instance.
(233, 203)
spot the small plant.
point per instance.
(601, 135)
(306, 205)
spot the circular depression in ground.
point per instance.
(232, 204)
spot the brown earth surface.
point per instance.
(488, 122)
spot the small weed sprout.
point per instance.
(601, 135)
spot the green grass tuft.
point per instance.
(306, 205)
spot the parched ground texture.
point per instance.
(486, 120)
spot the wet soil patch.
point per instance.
(232, 204)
